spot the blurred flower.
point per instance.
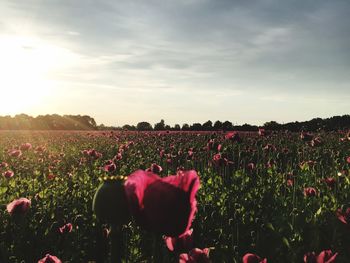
(164, 205)
(15, 153)
(344, 217)
(218, 160)
(50, 259)
(261, 132)
(8, 174)
(26, 146)
(306, 137)
(18, 206)
(252, 258)
(109, 166)
(330, 181)
(67, 228)
(348, 160)
(196, 255)
(309, 191)
(233, 136)
(3, 165)
(326, 256)
(155, 168)
(316, 142)
(250, 166)
(181, 243)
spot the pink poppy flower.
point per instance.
(26, 146)
(181, 243)
(15, 153)
(344, 217)
(18, 206)
(67, 228)
(50, 259)
(218, 160)
(8, 174)
(252, 258)
(330, 181)
(233, 136)
(290, 182)
(196, 255)
(3, 165)
(326, 256)
(348, 160)
(109, 166)
(164, 205)
(310, 191)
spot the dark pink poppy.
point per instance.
(326, 256)
(26, 146)
(233, 136)
(310, 191)
(67, 228)
(252, 258)
(290, 182)
(196, 255)
(218, 160)
(344, 217)
(181, 243)
(50, 259)
(18, 206)
(164, 205)
(109, 167)
(330, 181)
(8, 174)
(348, 160)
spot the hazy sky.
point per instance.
(182, 61)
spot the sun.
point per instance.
(28, 67)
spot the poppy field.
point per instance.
(181, 196)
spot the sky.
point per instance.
(183, 61)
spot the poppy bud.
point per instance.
(110, 204)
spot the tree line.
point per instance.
(85, 122)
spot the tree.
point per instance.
(128, 127)
(160, 126)
(144, 126)
(227, 126)
(272, 125)
(207, 126)
(185, 127)
(196, 127)
(177, 127)
(218, 125)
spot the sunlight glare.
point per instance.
(27, 66)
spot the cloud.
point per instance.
(295, 48)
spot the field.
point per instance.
(278, 196)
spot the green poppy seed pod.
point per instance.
(110, 204)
